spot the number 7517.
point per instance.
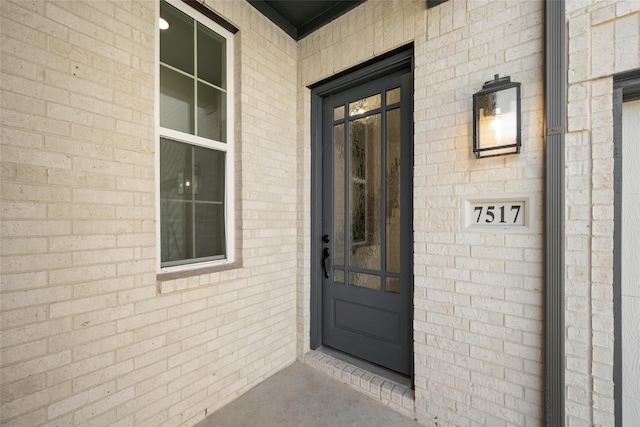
(503, 214)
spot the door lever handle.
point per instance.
(325, 255)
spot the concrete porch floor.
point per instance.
(302, 396)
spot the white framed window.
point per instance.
(195, 147)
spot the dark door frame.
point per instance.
(378, 67)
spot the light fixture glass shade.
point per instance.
(496, 118)
(163, 24)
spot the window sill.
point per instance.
(175, 281)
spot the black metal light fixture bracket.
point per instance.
(496, 118)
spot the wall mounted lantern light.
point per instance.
(496, 118)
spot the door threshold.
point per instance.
(387, 387)
(367, 366)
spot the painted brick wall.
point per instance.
(87, 337)
(604, 39)
(480, 293)
(478, 296)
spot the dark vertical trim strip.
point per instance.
(555, 105)
(316, 220)
(617, 253)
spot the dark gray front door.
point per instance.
(367, 169)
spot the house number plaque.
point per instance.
(499, 213)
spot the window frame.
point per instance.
(227, 147)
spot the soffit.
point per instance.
(299, 18)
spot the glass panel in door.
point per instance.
(393, 192)
(364, 195)
(338, 196)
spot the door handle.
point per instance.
(325, 255)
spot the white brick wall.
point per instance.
(86, 337)
(603, 40)
(490, 337)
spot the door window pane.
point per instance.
(361, 106)
(364, 192)
(358, 208)
(362, 280)
(338, 194)
(393, 96)
(393, 285)
(393, 190)
(338, 113)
